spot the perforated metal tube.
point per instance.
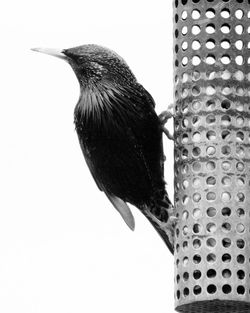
(212, 155)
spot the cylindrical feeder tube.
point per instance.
(212, 155)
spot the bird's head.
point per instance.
(92, 63)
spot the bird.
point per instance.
(120, 135)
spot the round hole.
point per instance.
(210, 105)
(196, 30)
(196, 105)
(226, 273)
(211, 196)
(239, 75)
(210, 119)
(211, 258)
(225, 120)
(184, 30)
(196, 243)
(197, 274)
(210, 90)
(186, 292)
(240, 151)
(226, 211)
(185, 245)
(185, 261)
(226, 150)
(225, 59)
(240, 212)
(196, 137)
(226, 181)
(240, 121)
(226, 258)
(197, 228)
(184, 62)
(197, 290)
(225, 44)
(211, 181)
(226, 242)
(210, 44)
(210, 28)
(210, 59)
(225, 28)
(185, 184)
(196, 60)
(211, 212)
(226, 75)
(239, 14)
(240, 228)
(185, 230)
(241, 290)
(196, 197)
(241, 274)
(226, 227)
(210, 166)
(196, 14)
(240, 243)
(196, 259)
(196, 90)
(225, 13)
(211, 273)
(178, 294)
(226, 165)
(239, 44)
(240, 259)
(239, 60)
(211, 150)
(211, 289)
(211, 242)
(225, 196)
(184, 15)
(211, 135)
(196, 151)
(210, 13)
(196, 45)
(225, 135)
(211, 227)
(196, 166)
(196, 121)
(184, 45)
(196, 75)
(226, 289)
(196, 213)
(225, 104)
(185, 276)
(239, 29)
(240, 166)
(240, 181)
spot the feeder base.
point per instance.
(215, 306)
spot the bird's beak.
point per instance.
(54, 52)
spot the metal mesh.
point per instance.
(212, 155)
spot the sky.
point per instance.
(63, 247)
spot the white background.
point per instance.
(63, 248)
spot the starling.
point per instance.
(120, 136)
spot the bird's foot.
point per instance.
(164, 117)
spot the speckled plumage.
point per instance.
(120, 136)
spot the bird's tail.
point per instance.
(161, 215)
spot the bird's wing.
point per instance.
(118, 203)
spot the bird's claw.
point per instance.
(164, 117)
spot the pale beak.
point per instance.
(54, 52)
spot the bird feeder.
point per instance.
(212, 155)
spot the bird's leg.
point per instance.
(164, 117)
